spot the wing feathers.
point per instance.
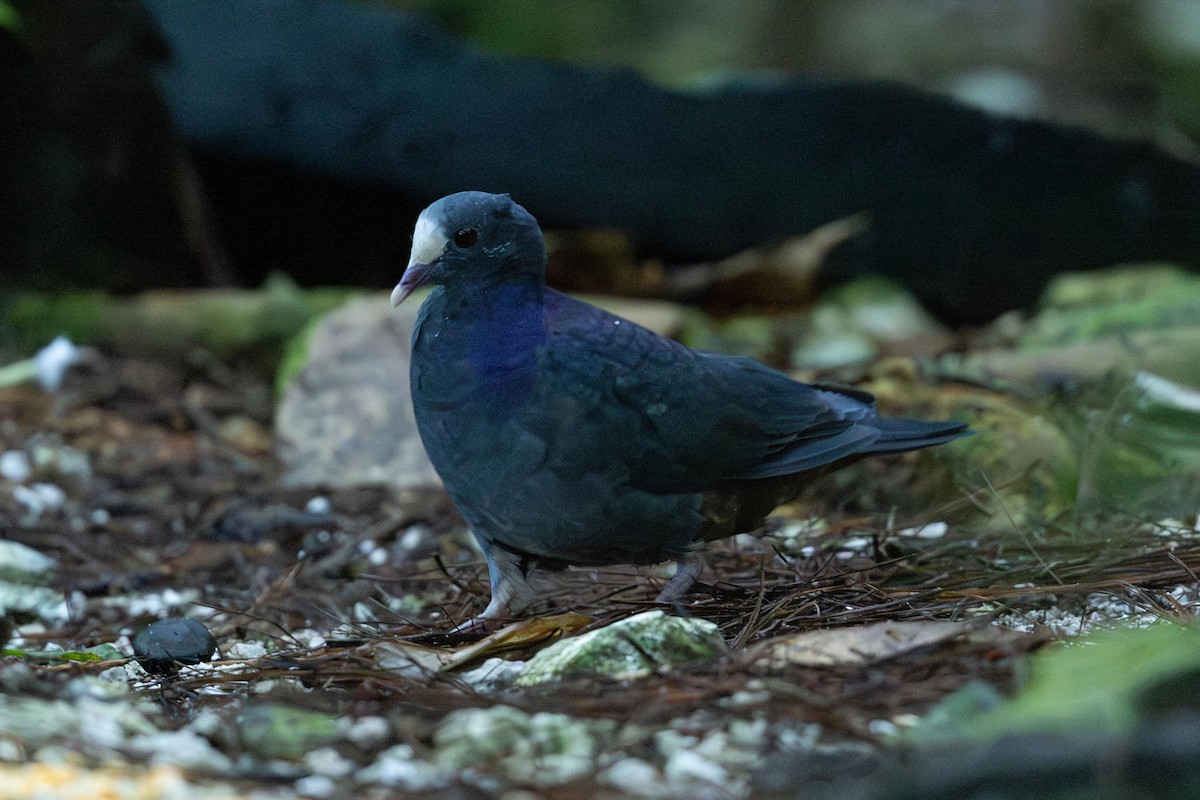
(684, 421)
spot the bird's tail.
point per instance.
(898, 435)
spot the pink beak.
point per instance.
(414, 276)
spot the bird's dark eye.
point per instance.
(466, 237)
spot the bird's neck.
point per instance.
(485, 298)
(504, 327)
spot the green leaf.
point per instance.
(1106, 681)
(100, 652)
(10, 18)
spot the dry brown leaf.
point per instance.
(411, 658)
(857, 644)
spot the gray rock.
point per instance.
(22, 564)
(634, 647)
(274, 730)
(543, 748)
(24, 603)
(345, 419)
(493, 675)
(184, 749)
(399, 766)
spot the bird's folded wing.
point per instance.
(679, 420)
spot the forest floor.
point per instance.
(331, 610)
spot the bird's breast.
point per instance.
(477, 353)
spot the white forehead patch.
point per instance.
(429, 241)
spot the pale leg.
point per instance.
(511, 593)
(686, 573)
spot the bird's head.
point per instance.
(472, 236)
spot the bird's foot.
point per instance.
(480, 624)
(499, 612)
(511, 593)
(686, 573)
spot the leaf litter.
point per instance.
(839, 630)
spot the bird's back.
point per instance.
(687, 421)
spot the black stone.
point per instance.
(161, 646)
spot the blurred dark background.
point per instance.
(212, 143)
(1125, 67)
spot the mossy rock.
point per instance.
(632, 648)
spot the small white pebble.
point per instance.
(318, 505)
(669, 741)
(685, 766)
(882, 727)
(368, 731)
(493, 674)
(318, 786)
(307, 637)
(747, 733)
(745, 541)
(741, 699)
(53, 360)
(246, 650)
(329, 762)
(15, 466)
(101, 517)
(172, 598)
(115, 675)
(53, 496)
(934, 530)
(10, 751)
(377, 557)
(799, 739)
(364, 612)
(206, 723)
(413, 537)
(38, 498)
(631, 775)
(398, 766)
(77, 603)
